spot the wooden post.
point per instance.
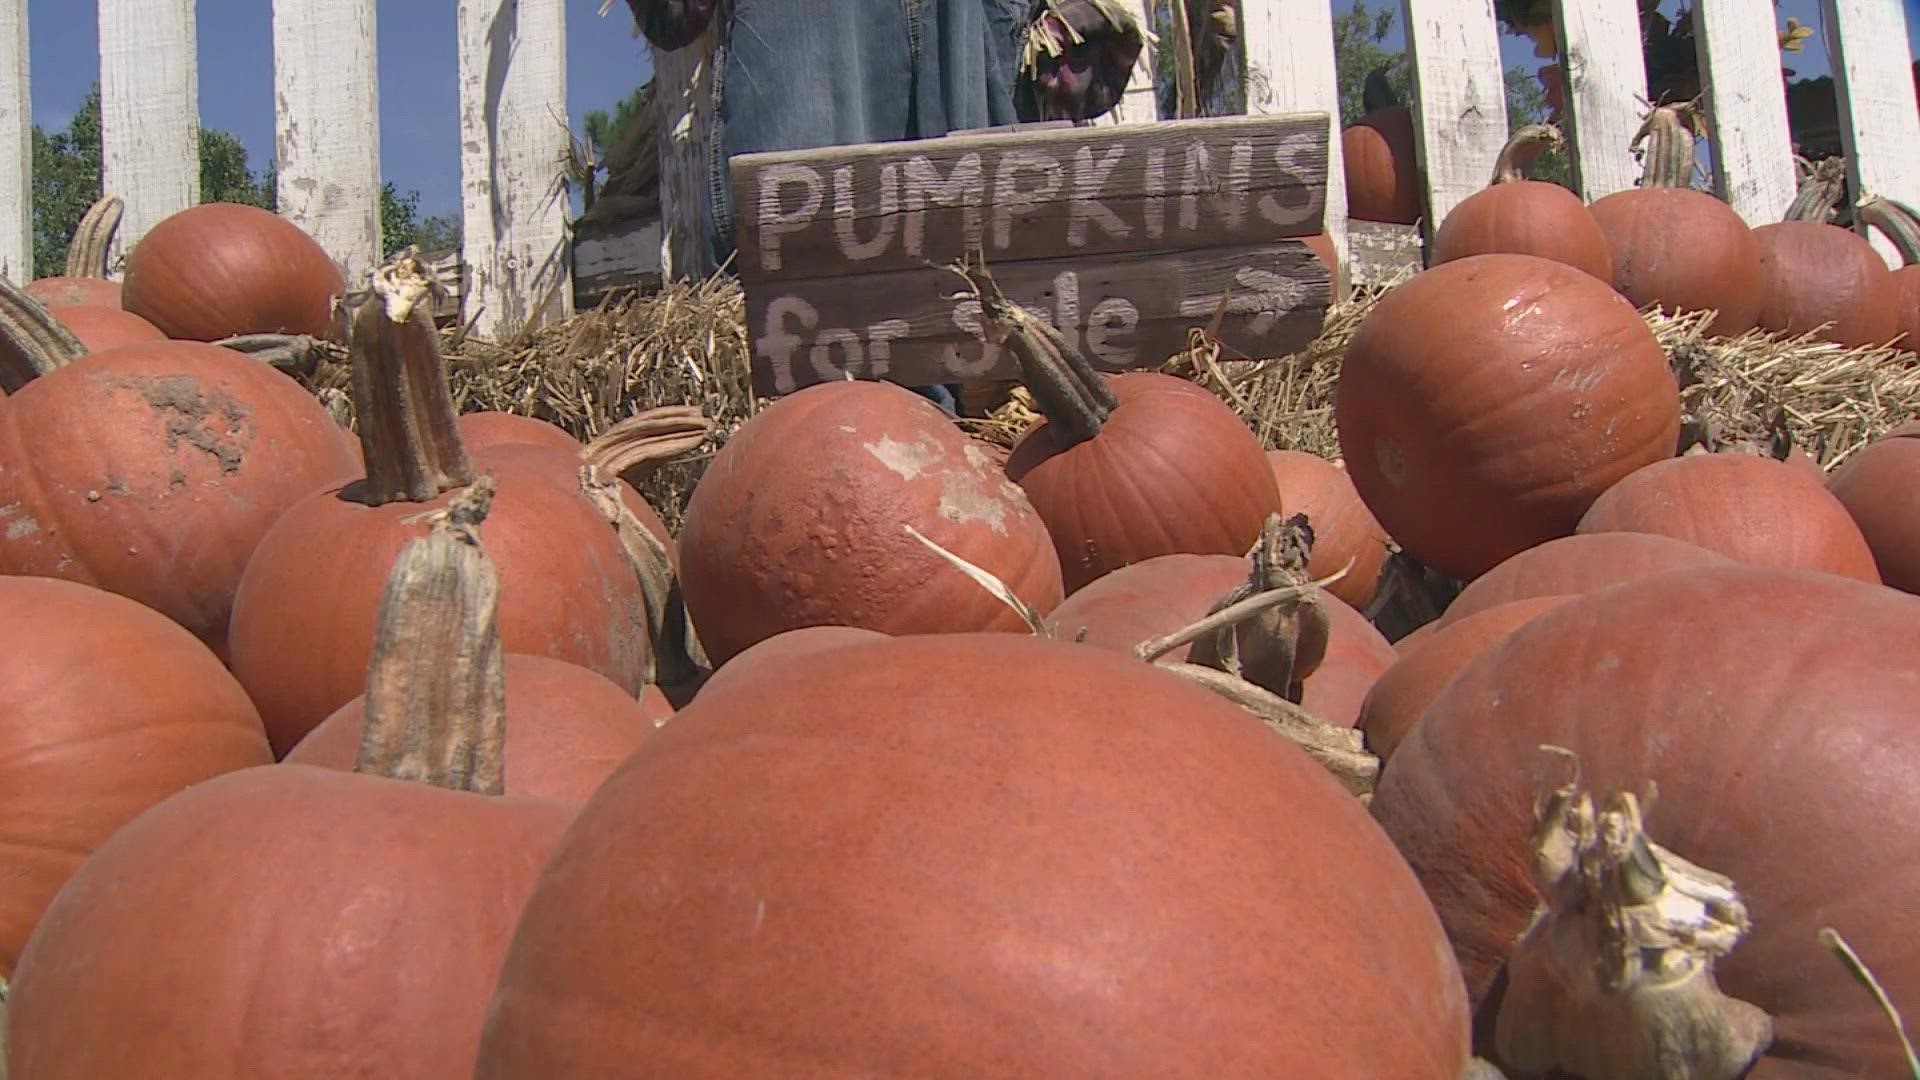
(1290, 69)
(513, 147)
(327, 119)
(149, 112)
(1139, 103)
(683, 99)
(1879, 120)
(1738, 43)
(1459, 98)
(16, 144)
(1606, 81)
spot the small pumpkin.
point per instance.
(85, 281)
(1024, 903)
(302, 922)
(1877, 486)
(98, 327)
(1483, 405)
(1576, 565)
(1358, 654)
(1517, 216)
(220, 270)
(1817, 277)
(1675, 247)
(1382, 170)
(1744, 506)
(1900, 224)
(1343, 528)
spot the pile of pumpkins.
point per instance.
(428, 752)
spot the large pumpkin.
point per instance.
(1343, 528)
(219, 270)
(1675, 247)
(153, 470)
(301, 640)
(1382, 170)
(1744, 506)
(106, 708)
(802, 518)
(1004, 885)
(307, 923)
(481, 430)
(1575, 565)
(1768, 707)
(1483, 406)
(1878, 487)
(1517, 216)
(787, 647)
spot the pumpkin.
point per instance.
(1003, 885)
(1877, 487)
(1483, 405)
(302, 922)
(152, 470)
(1677, 248)
(802, 519)
(1768, 707)
(1382, 170)
(1343, 528)
(1816, 277)
(1517, 216)
(1902, 226)
(98, 327)
(1575, 565)
(1414, 637)
(86, 281)
(1149, 599)
(63, 291)
(786, 647)
(106, 708)
(220, 270)
(566, 729)
(1357, 655)
(1127, 467)
(1404, 691)
(1744, 506)
(300, 642)
(485, 430)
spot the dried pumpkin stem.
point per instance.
(1896, 220)
(635, 448)
(996, 588)
(1278, 647)
(1615, 976)
(1863, 975)
(1524, 145)
(1069, 391)
(1822, 190)
(1233, 614)
(408, 426)
(32, 342)
(436, 705)
(93, 239)
(295, 354)
(1341, 751)
(1669, 134)
(671, 646)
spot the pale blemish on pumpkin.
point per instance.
(964, 499)
(1393, 464)
(19, 524)
(909, 460)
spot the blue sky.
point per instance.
(419, 132)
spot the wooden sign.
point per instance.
(1123, 237)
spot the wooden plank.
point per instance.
(513, 141)
(1459, 98)
(683, 96)
(16, 144)
(620, 255)
(327, 125)
(1290, 69)
(1879, 116)
(149, 112)
(1139, 104)
(1380, 251)
(1125, 311)
(1102, 190)
(1606, 80)
(1738, 44)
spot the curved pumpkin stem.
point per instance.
(1823, 188)
(93, 240)
(32, 342)
(1068, 389)
(436, 705)
(1341, 751)
(635, 448)
(1615, 977)
(409, 429)
(1898, 221)
(1524, 145)
(296, 354)
(1280, 646)
(1669, 135)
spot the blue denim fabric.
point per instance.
(797, 74)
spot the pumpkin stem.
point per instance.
(1615, 976)
(436, 705)
(93, 238)
(1669, 134)
(670, 660)
(296, 354)
(987, 580)
(1525, 144)
(408, 426)
(32, 342)
(1277, 648)
(1341, 751)
(1897, 221)
(1862, 974)
(1068, 389)
(1232, 614)
(1823, 188)
(635, 448)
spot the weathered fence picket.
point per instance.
(1873, 80)
(149, 111)
(16, 142)
(1738, 42)
(1606, 86)
(1459, 97)
(1290, 69)
(327, 122)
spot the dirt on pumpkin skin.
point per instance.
(191, 415)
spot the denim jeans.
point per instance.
(798, 74)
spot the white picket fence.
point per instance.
(513, 117)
